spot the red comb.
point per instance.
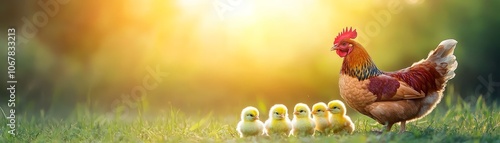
(346, 33)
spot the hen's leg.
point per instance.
(388, 127)
(403, 127)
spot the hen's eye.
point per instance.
(344, 44)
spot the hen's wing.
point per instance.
(386, 87)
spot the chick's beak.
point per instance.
(296, 113)
(257, 118)
(282, 116)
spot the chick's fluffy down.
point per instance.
(250, 125)
(302, 123)
(246, 129)
(278, 122)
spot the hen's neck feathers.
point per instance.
(359, 64)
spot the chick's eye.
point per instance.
(301, 111)
(319, 110)
(276, 113)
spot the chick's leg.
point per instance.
(403, 127)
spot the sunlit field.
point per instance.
(182, 70)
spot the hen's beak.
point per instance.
(334, 48)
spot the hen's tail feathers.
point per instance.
(446, 62)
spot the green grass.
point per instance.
(453, 121)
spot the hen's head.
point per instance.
(343, 44)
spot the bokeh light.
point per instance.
(220, 55)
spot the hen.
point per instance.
(391, 97)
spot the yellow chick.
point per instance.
(278, 122)
(302, 123)
(338, 118)
(321, 117)
(250, 125)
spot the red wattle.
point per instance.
(341, 53)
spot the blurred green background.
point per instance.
(222, 56)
